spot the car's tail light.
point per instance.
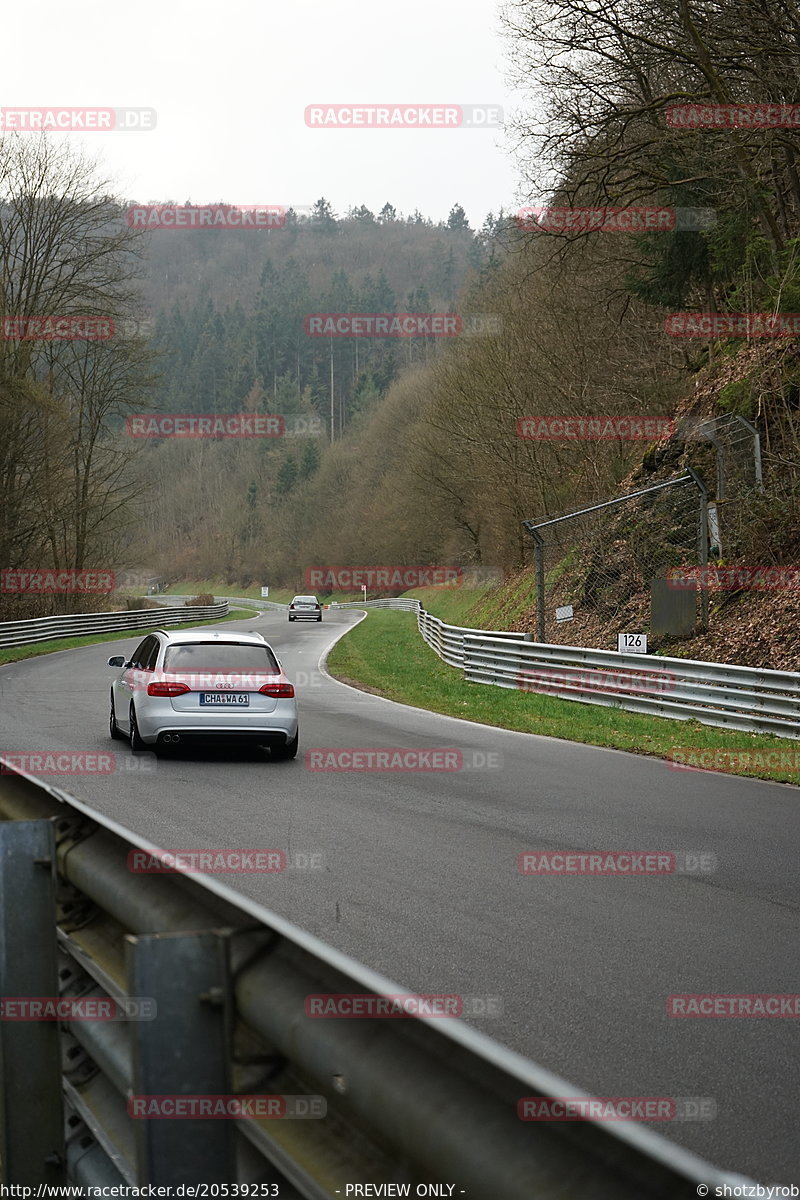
(291, 606)
(278, 690)
(167, 689)
(316, 606)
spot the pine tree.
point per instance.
(287, 476)
(457, 218)
(309, 461)
(363, 215)
(323, 218)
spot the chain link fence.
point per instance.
(739, 485)
(594, 567)
(755, 517)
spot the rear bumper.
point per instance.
(306, 616)
(223, 737)
(261, 728)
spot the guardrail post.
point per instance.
(538, 547)
(702, 545)
(184, 1051)
(31, 1109)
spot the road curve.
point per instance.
(419, 879)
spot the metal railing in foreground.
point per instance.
(415, 1100)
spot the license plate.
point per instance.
(226, 699)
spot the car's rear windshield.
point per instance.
(306, 599)
(221, 656)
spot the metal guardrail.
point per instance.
(399, 602)
(415, 1099)
(247, 601)
(447, 640)
(750, 699)
(745, 698)
(46, 629)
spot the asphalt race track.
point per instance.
(419, 879)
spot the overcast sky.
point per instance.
(231, 81)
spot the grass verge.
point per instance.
(17, 653)
(454, 605)
(385, 654)
(215, 587)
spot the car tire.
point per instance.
(319, 618)
(113, 728)
(137, 744)
(289, 750)
(291, 618)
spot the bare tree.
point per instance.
(65, 251)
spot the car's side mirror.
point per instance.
(117, 661)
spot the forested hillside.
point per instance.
(417, 456)
(434, 470)
(228, 309)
